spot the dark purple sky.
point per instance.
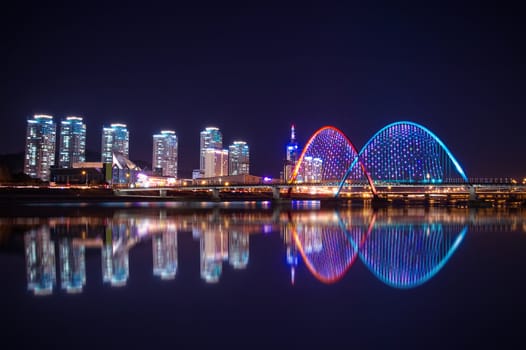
(252, 69)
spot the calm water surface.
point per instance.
(244, 275)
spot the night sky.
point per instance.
(252, 69)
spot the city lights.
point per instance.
(400, 154)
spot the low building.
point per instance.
(121, 172)
(242, 179)
(88, 176)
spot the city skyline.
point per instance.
(216, 161)
(253, 71)
(41, 147)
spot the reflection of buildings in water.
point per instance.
(196, 233)
(164, 248)
(40, 261)
(116, 236)
(406, 256)
(405, 247)
(72, 265)
(214, 250)
(291, 251)
(238, 249)
(115, 265)
(312, 239)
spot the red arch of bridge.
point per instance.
(313, 137)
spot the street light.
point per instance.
(86, 176)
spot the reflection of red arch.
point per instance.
(311, 268)
(300, 160)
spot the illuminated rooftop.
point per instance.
(43, 116)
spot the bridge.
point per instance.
(403, 161)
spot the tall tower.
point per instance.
(40, 146)
(165, 153)
(72, 142)
(291, 155)
(211, 138)
(114, 139)
(238, 158)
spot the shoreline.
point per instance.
(10, 196)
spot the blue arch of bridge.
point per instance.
(429, 132)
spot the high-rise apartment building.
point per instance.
(211, 138)
(40, 146)
(115, 138)
(216, 162)
(72, 147)
(312, 169)
(164, 157)
(238, 158)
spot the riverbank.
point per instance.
(37, 194)
(34, 195)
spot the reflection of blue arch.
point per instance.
(396, 280)
(456, 164)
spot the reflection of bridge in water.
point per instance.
(402, 248)
(402, 253)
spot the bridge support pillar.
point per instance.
(162, 193)
(379, 202)
(215, 194)
(275, 193)
(472, 194)
(427, 199)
